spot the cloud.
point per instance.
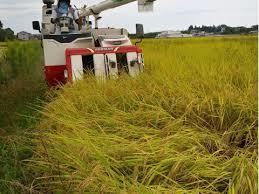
(198, 11)
(168, 14)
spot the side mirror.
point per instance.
(139, 30)
(36, 25)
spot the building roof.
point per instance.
(23, 32)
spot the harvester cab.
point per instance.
(102, 52)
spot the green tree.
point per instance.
(9, 34)
(2, 35)
(190, 28)
(6, 34)
(254, 28)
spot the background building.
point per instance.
(23, 35)
(172, 34)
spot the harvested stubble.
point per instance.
(188, 125)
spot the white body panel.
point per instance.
(109, 32)
(132, 59)
(119, 40)
(99, 66)
(77, 67)
(54, 52)
(112, 65)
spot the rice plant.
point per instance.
(3, 68)
(187, 125)
(24, 59)
(21, 80)
(18, 91)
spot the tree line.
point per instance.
(221, 29)
(6, 33)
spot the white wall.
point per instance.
(23, 36)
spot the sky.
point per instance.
(167, 15)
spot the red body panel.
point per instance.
(55, 74)
(102, 50)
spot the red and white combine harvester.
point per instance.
(103, 52)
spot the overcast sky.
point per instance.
(167, 15)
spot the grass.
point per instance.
(2, 56)
(2, 49)
(21, 88)
(21, 81)
(187, 125)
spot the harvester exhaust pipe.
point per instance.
(139, 33)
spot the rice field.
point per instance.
(21, 88)
(2, 50)
(187, 125)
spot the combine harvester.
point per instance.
(104, 52)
